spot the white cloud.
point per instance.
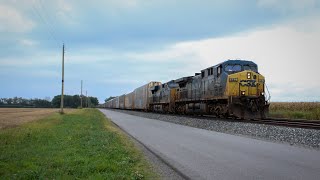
(28, 42)
(289, 5)
(66, 11)
(11, 20)
(64, 6)
(287, 55)
(127, 3)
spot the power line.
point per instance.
(44, 9)
(45, 22)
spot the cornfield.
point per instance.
(300, 110)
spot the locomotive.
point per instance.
(233, 88)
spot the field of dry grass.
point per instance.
(296, 110)
(12, 117)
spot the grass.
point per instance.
(295, 110)
(77, 145)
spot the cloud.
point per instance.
(287, 6)
(12, 20)
(121, 44)
(126, 3)
(66, 12)
(286, 54)
(64, 6)
(28, 42)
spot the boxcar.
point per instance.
(129, 101)
(122, 101)
(142, 95)
(117, 102)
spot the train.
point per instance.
(233, 88)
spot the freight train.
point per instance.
(233, 88)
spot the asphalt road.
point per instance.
(203, 154)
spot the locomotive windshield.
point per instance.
(252, 68)
(233, 68)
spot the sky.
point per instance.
(115, 46)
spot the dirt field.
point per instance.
(12, 117)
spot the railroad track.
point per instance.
(297, 123)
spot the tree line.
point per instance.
(69, 101)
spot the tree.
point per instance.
(94, 101)
(69, 102)
(56, 101)
(41, 103)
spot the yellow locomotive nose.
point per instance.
(245, 83)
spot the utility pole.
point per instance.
(81, 94)
(87, 99)
(61, 105)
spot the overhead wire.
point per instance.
(45, 10)
(46, 23)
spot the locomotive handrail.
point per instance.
(269, 95)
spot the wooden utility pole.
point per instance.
(81, 94)
(87, 99)
(62, 89)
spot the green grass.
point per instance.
(79, 145)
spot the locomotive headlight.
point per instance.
(243, 93)
(249, 75)
(262, 93)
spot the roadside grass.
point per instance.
(295, 110)
(78, 145)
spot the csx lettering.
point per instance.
(249, 83)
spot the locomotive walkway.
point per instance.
(203, 154)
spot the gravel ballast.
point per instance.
(309, 138)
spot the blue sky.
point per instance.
(115, 46)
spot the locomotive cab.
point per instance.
(245, 89)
